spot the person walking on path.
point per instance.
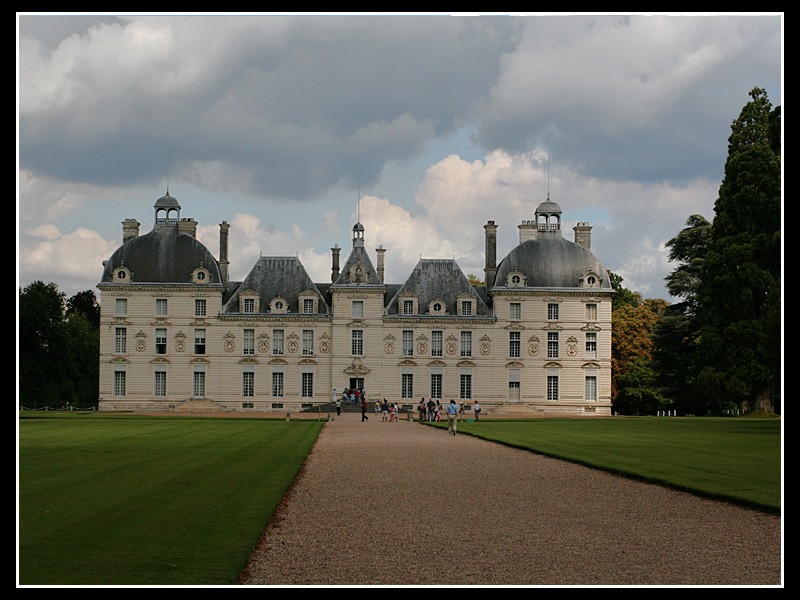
(422, 408)
(338, 405)
(461, 412)
(364, 416)
(452, 413)
(477, 410)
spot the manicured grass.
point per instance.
(732, 459)
(132, 500)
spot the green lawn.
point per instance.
(733, 459)
(127, 500)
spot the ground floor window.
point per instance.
(407, 385)
(307, 385)
(591, 387)
(552, 387)
(248, 384)
(199, 386)
(160, 384)
(277, 385)
(119, 383)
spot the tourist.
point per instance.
(422, 408)
(364, 416)
(476, 408)
(461, 412)
(452, 413)
(385, 410)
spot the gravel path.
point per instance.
(405, 504)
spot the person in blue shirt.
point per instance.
(452, 415)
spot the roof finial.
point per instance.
(548, 176)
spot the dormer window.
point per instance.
(248, 302)
(279, 305)
(307, 303)
(515, 279)
(122, 275)
(466, 308)
(407, 304)
(200, 275)
(591, 280)
(437, 307)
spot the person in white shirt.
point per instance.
(476, 408)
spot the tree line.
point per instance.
(717, 350)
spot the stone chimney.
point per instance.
(335, 267)
(583, 234)
(130, 230)
(223, 251)
(528, 230)
(381, 251)
(188, 226)
(491, 253)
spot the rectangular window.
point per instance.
(466, 343)
(466, 386)
(160, 384)
(436, 386)
(199, 341)
(249, 341)
(248, 383)
(249, 305)
(552, 344)
(161, 341)
(119, 383)
(513, 344)
(357, 308)
(466, 308)
(277, 341)
(591, 387)
(515, 311)
(121, 307)
(436, 343)
(552, 312)
(552, 387)
(277, 384)
(161, 307)
(591, 312)
(308, 305)
(199, 307)
(408, 307)
(407, 385)
(591, 345)
(199, 385)
(408, 342)
(308, 342)
(120, 340)
(357, 342)
(307, 385)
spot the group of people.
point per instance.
(389, 410)
(431, 411)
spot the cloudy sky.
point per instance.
(423, 127)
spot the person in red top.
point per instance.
(364, 416)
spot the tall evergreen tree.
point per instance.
(739, 297)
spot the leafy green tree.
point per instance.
(622, 295)
(86, 303)
(43, 348)
(474, 280)
(739, 296)
(639, 393)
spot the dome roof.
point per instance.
(167, 201)
(548, 207)
(163, 256)
(550, 261)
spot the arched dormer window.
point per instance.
(515, 279)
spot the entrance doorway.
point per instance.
(513, 391)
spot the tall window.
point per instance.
(277, 384)
(249, 305)
(408, 307)
(199, 341)
(466, 386)
(161, 307)
(308, 342)
(160, 384)
(552, 344)
(436, 386)
(121, 307)
(407, 385)
(119, 383)
(248, 383)
(161, 341)
(466, 308)
(308, 305)
(277, 341)
(249, 341)
(591, 387)
(515, 311)
(357, 308)
(466, 343)
(513, 344)
(591, 345)
(120, 340)
(552, 312)
(436, 343)
(357, 342)
(200, 307)
(199, 385)
(408, 342)
(307, 385)
(552, 387)
(591, 312)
